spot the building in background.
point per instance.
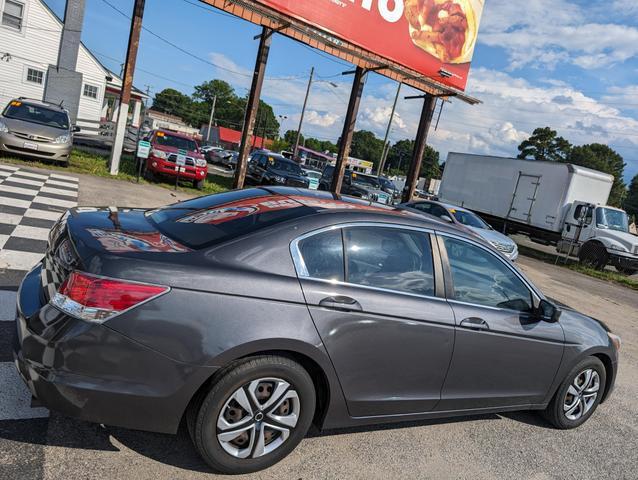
(30, 36)
(154, 120)
(230, 139)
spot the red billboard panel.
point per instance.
(427, 36)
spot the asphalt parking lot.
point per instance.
(42, 445)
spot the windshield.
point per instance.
(180, 143)
(612, 219)
(370, 182)
(387, 183)
(469, 219)
(288, 167)
(37, 114)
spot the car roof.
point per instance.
(175, 134)
(39, 103)
(448, 206)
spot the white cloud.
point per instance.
(322, 120)
(547, 33)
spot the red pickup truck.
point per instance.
(168, 150)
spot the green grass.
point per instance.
(572, 264)
(94, 164)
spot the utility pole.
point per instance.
(386, 147)
(303, 113)
(210, 121)
(127, 84)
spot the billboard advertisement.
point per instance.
(426, 36)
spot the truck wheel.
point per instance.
(626, 271)
(149, 175)
(593, 255)
(198, 184)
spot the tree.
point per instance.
(291, 136)
(366, 146)
(172, 102)
(544, 144)
(631, 202)
(400, 156)
(207, 91)
(604, 159)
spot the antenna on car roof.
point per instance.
(61, 102)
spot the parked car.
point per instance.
(313, 177)
(215, 154)
(163, 159)
(356, 184)
(36, 129)
(389, 187)
(230, 160)
(471, 221)
(254, 313)
(267, 168)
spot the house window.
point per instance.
(13, 14)
(35, 76)
(90, 91)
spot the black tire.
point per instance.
(203, 416)
(593, 255)
(198, 184)
(626, 271)
(149, 175)
(555, 411)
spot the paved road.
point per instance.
(34, 445)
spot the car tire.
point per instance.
(198, 184)
(229, 401)
(578, 395)
(626, 271)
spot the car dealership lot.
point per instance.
(515, 445)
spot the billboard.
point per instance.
(426, 36)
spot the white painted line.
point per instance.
(35, 233)
(32, 175)
(24, 181)
(21, 191)
(59, 191)
(42, 214)
(62, 184)
(64, 177)
(55, 201)
(14, 202)
(5, 174)
(10, 219)
(7, 305)
(3, 240)
(9, 167)
(15, 260)
(15, 397)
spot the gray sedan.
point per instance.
(255, 313)
(467, 219)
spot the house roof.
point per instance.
(229, 135)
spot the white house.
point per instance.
(30, 34)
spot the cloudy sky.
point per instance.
(569, 64)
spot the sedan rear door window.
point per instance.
(389, 258)
(480, 278)
(323, 256)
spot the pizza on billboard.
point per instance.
(423, 35)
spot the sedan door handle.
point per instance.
(339, 302)
(475, 323)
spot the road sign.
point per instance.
(181, 157)
(143, 149)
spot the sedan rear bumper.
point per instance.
(93, 373)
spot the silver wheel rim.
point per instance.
(581, 394)
(258, 418)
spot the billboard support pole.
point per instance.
(412, 179)
(252, 106)
(348, 129)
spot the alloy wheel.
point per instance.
(258, 418)
(581, 394)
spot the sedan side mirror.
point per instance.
(548, 311)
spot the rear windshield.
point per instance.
(37, 114)
(214, 219)
(180, 143)
(288, 167)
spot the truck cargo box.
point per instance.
(529, 192)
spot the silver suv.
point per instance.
(36, 129)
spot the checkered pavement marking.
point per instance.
(30, 204)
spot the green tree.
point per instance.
(604, 159)
(291, 136)
(366, 146)
(544, 144)
(320, 145)
(400, 156)
(631, 202)
(172, 102)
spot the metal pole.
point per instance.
(210, 120)
(419, 148)
(127, 84)
(348, 129)
(386, 147)
(252, 106)
(303, 113)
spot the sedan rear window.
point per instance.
(211, 220)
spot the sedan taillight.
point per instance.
(96, 299)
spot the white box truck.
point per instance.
(553, 203)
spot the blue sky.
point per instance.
(569, 64)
